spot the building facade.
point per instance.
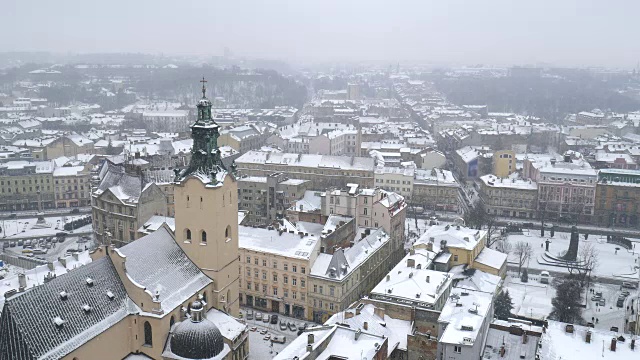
(339, 279)
(617, 198)
(509, 197)
(72, 186)
(25, 185)
(274, 270)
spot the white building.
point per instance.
(464, 324)
(399, 180)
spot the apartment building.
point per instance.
(509, 197)
(371, 208)
(617, 198)
(274, 269)
(167, 120)
(322, 171)
(122, 203)
(566, 187)
(72, 186)
(398, 180)
(244, 138)
(437, 190)
(24, 185)
(337, 280)
(266, 198)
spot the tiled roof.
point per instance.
(27, 326)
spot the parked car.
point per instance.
(614, 328)
(20, 242)
(595, 298)
(292, 326)
(12, 244)
(602, 302)
(258, 315)
(302, 326)
(278, 339)
(590, 324)
(283, 325)
(266, 318)
(274, 319)
(629, 285)
(625, 293)
(249, 314)
(620, 302)
(13, 216)
(5, 244)
(75, 211)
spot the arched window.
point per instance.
(148, 336)
(203, 236)
(171, 321)
(187, 234)
(227, 232)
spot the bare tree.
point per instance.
(503, 245)
(523, 252)
(586, 262)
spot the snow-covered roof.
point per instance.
(395, 330)
(306, 160)
(513, 344)
(455, 236)
(508, 183)
(333, 341)
(155, 222)
(342, 262)
(68, 171)
(277, 242)
(408, 284)
(229, 326)
(491, 258)
(311, 201)
(557, 344)
(464, 312)
(156, 262)
(474, 279)
(48, 321)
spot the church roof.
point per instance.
(156, 262)
(51, 320)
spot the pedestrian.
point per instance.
(597, 320)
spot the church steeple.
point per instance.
(206, 162)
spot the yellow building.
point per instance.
(504, 163)
(459, 245)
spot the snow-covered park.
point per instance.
(25, 228)
(613, 260)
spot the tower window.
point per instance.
(227, 232)
(204, 236)
(188, 234)
(148, 336)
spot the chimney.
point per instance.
(63, 261)
(613, 344)
(358, 332)
(348, 315)
(502, 350)
(359, 309)
(378, 311)
(588, 338)
(569, 328)
(366, 325)
(412, 251)
(388, 277)
(633, 344)
(310, 339)
(22, 282)
(411, 263)
(428, 278)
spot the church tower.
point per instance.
(206, 211)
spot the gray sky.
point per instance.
(501, 32)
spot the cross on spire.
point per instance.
(204, 90)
